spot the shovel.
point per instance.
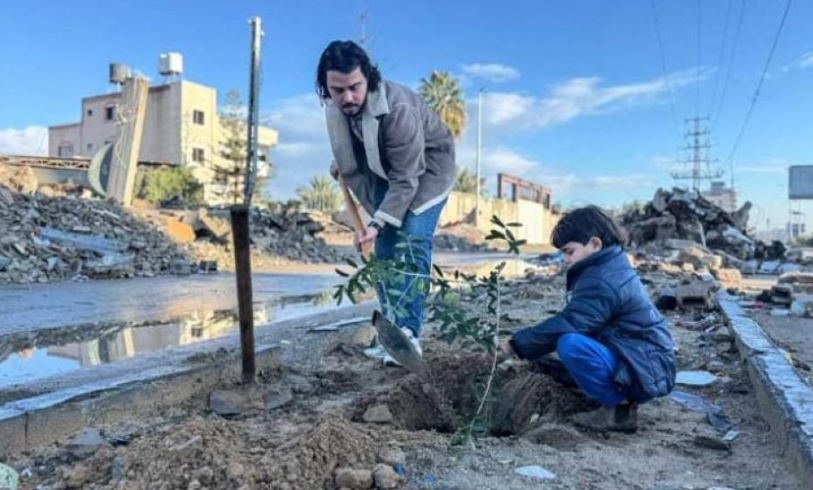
(399, 346)
(358, 224)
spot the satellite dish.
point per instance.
(99, 171)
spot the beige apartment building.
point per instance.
(181, 127)
(722, 196)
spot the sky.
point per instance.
(577, 95)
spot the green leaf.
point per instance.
(351, 263)
(496, 221)
(342, 273)
(495, 235)
(514, 224)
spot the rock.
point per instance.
(229, 403)
(385, 477)
(769, 267)
(180, 267)
(87, 442)
(277, 396)
(6, 197)
(797, 308)
(536, 472)
(77, 476)
(778, 312)
(8, 477)
(393, 456)
(712, 443)
(354, 479)
(4, 263)
(751, 267)
(695, 378)
(378, 414)
(299, 384)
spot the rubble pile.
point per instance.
(288, 232)
(682, 214)
(460, 237)
(46, 239)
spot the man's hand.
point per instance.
(334, 170)
(360, 238)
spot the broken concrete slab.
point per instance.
(237, 401)
(782, 294)
(354, 479)
(666, 299)
(694, 296)
(87, 442)
(378, 414)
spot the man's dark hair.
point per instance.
(345, 56)
(580, 225)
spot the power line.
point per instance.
(724, 92)
(665, 70)
(759, 85)
(722, 54)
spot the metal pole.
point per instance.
(240, 218)
(253, 108)
(479, 152)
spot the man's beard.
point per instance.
(351, 109)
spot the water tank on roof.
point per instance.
(170, 64)
(119, 73)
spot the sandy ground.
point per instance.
(301, 444)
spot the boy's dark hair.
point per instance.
(580, 225)
(345, 56)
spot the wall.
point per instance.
(61, 135)
(537, 222)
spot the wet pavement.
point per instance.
(50, 329)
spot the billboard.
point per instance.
(800, 185)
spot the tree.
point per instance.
(322, 195)
(466, 182)
(442, 93)
(230, 170)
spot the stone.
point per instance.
(77, 476)
(729, 277)
(697, 257)
(712, 443)
(87, 442)
(393, 456)
(6, 197)
(277, 396)
(797, 308)
(536, 472)
(364, 336)
(4, 263)
(229, 403)
(378, 414)
(750, 267)
(299, 384)
(354, 479)
(180, 267)
(782, 294)
(385, 477)
(9, 479)
(695, 378)
(769, 267)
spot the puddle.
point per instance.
(33, 363)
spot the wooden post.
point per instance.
(245, 308)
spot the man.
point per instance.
(397, 157)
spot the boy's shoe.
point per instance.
(621, 418)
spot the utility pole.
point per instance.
(479, 155)
(363, 25)
(697, 167)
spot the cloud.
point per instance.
(32, 140)
(762, 168)
(304, 149)
(578, 97)
(491, 72)
(802, 62)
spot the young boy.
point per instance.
(610, 337)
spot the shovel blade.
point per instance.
(399, 346)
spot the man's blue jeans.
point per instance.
(412, 288)
(592, 365)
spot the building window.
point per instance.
(110, 113)
(198, 117)
(90, 147)
(65, 150)
(198, 155)
(90, 112)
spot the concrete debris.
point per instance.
(87, 442)
(712, 443)
(460, 237)
(285, 231)
(782, 294)
(230, 403)
(666, 300)
(682, 214)
(354, 479)
(393, 456)
(385, 477)
(695, 295)
(45, 239)
(378, 414)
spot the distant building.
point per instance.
(722, 196)
(181, 127)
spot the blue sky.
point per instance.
(576, 94)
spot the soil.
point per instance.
(528, 421)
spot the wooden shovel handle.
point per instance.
(358, 224)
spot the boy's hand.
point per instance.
(506, 350)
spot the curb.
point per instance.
(783, 396)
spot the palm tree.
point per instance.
(466, 182)
(322, 195)
(442, 93)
